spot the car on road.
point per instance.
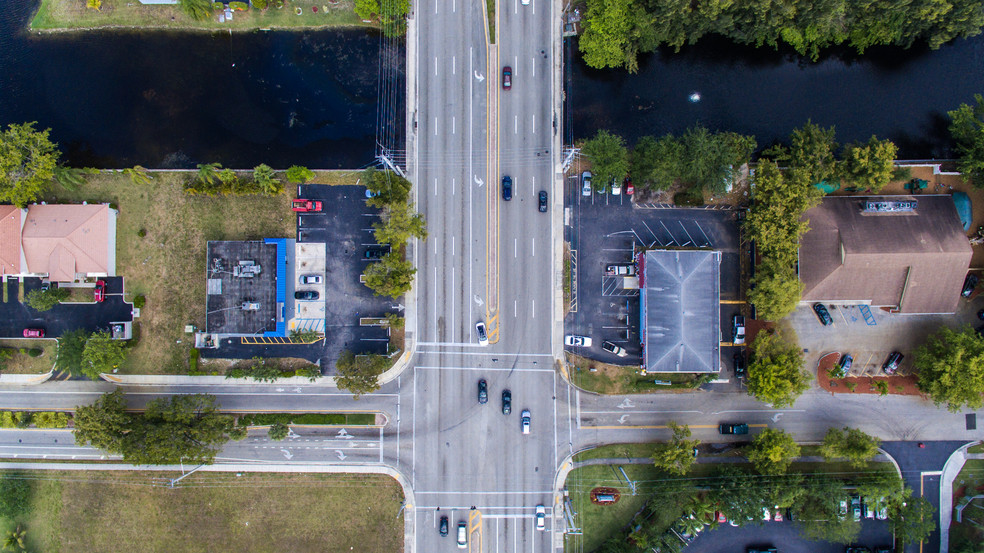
(541, 517)
(483, 391)
(444, 526)
(506, 187)
(733, 428)
(883, 550)
(892, 363)
(525, 2)
(483, 337)
(462, 535)
(969, 284)
(311, 279)
(506, 402)
(613, 349)
(306, 295)
(822, 314)
(586, 183)
(543, 201)
(861, 549)
(739, 359)
(627, 184)
(100, 291)
(738, 329)
(34, 333)
(506, 78)
(306, 206)
(525, 421)
(574, 340)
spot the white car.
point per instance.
(541, 517)
(616, 188)
(311, 279)
(574, 340)
(526, 2)
(586, 186)
(613, 348)
(738, 329)
(462, 535)
(483, 336)
(525, 421)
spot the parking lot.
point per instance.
(16, 316)
(603, 229)
(785, 537)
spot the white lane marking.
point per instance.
(452, 304)
(534, 125)
(533, 247)
(435, 126)
(515, 124)
(452, 185)
(477, 352)
(435, 7)
(435, 298)
(454, 65)
(435, 66)
(534, 67)
(435, 191)
(471, 199)
(453, 125)
(532, 309)
(454, 6)
(413, 426)
(515, 247)
(452, 247)
(515, 308)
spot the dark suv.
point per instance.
(306, 295)
(727, 428)
(969, 284)
(444, 526)
(506, 187)
(739, 358)
(543, 201)
(506, 402)
(483, 391)
(892, 363)
(822, 314)
(377, 252)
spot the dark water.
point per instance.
(163, 99)
(898, 94)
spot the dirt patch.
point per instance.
(897, 385)
(605, 491)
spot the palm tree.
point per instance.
(15, 539)
(139, 175)
(264, 177)
(702, 509)
(69, 177)
(207, 172)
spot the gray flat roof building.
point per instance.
(680, 310)
(242, 288)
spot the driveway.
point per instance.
(16, 316)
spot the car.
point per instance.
(843, 368)
(778, 516)
(733, 428)
(866, 511)
(856, 514)
(857, 550)
(822, 314)
(627, 184)
(842, 509)
(376, 252)
(506, 78)
(892, 363)
(483, 391)
(719, 517)
(969, 284)
(506, 187)
(586, 183)
(306, 206)
(462, 535)
(524, 419)
(34, 333)
(506, 402)
(543, 201)
(738, 329)
(881, 513)
(541, 517)
(46, 284)
(883, 550)
(483, 337)
(766, 516)
(525, 2)
(574, 340)
(443, 528)
(616, 188)
(370, 194)
(100, 291)
(766, 549)
(739, 358)
(306, 295)
(311, 279)
(613, 349)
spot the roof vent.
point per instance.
(899, 206)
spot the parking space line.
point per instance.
(707, 241)
(690, 239)
(672, 239)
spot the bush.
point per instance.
(14, 419)
(296, 173)
(238, 433)
(43, 300)
(50, 419)
(35, 352)
(278, 431)
(259, 4)
(139, 301)
(142, 232)
(311, 372)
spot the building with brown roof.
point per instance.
(906, 253)
(60, 242)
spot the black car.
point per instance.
(506, 402)
(376, 252)
(543, 201)
(822, 314)
(483, 391)
(739, 358)
(892, 363)
(444, 526)
(727, 428)
(506, 187)
(306, 295)
(969, 284)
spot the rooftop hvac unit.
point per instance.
(246, 269)
(898, 206)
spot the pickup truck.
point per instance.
(620, 270)
(306, 206)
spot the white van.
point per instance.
(462, 535)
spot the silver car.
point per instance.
(526, 421)
(586, 183)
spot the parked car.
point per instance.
(969, 284)
(586, 183)
(506, 187)
(506, 78)
(525, 421)
(739, 359)
(778, 516)
(627, 184)
(733, 428)
(866, 511)
(881, 513)
(506, 402)
(306, 295)
(844, 368)
(376, 252)
(765, 514)
(34, 333)
(883, 550)
(614, 349)
(738, 329)
(444, 526)
(766, 549)
(822, 314)
(483, 391)
(306, 206)
(462, 535)
(543, 201)
(311, 279)
(483, 337)
(892, 363)
(616, 188)
(541, 517)
(842, 509)
(861, 549)
(574, 340)
(100, 291)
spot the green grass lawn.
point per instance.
(970, 477)
(22, 363)
(212, 512)
(73, 14)
(605, 378)
(979, 448)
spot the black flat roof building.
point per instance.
(242, 288)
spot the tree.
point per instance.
(359, 374)
(50, 419)
(238, 433)
(70, 348)
(851, 444)
(775, 373)
(677, 455)
(27, 163)
(656, 163)
(366, 9)
(278, 431)
(609, 158)
(398, 223)
(104, 424)
(15, 494)
(773, 451)
(43, 300)
(266, 179)
(912, 520)
(208, 173)
(199, 10)
(298, 174)
(605, 41)
(710, 158)
(69, 178)
(138, 175)
(186, 428)
(967, 129)
(951, 368)
(102, 354)
(817, 511)
(386, 188)
(812, 149)
(869, 165)
(777, 291)
(15, 538)
(391, 276)
(740, 498)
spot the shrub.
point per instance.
(278, 431)
(14, 419)
(298, 174)
(311, 372)
(50, 419)
(240, 6)
(193, 355)
(35, 352)
(142, 232)
(139, 301)
(238, 433)
(259, 4)
(43, 300)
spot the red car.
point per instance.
(506, 78)
(34, 333)
(720, 517)
(627, 184)
(100, 290)
(305, 206)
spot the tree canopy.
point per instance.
(609, 158)
(677, 455)
(967, 129)
(28, 160)
(398, 223)
(102, 354)
(869, 165)
(772, 451)
(912, 520)
(950, 368)
(851, 444)
(701, 159)
(71, 344)
(359, 374)
(43, 300)
(817, 512)
(775, 372)
(387, 187)
(298, 174)
(390, 276)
